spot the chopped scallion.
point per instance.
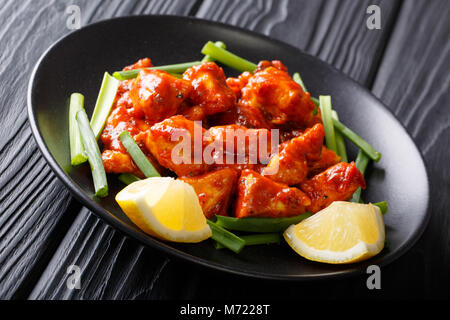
(138, 156)
(260, 224)
(383, 205)
(77, 153)
(104, 104)
(227, 58)
(357, 140)
(258, 239)
(128, 178)
(171, 68)
(208, 58)
(226, 238)
(327, 119)
(93, 154)
(361, 162)
(340, 142)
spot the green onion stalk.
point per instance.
(261, 225)
(257, 239)
(327, 119)
(225, 238)
(139, 158)
(77, 153)
(340, 142)
(93, 154)
(172, 68)
(103, 106)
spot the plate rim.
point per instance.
(100, 212)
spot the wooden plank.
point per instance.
(334, 31)
(35, 209)
(111, 265)
(28, 221)
(323, 28)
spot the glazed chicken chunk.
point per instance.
(171, 142)
(290, 165)
(328, 158)
(279, 98)
(157, 95)
(140, 64)
(210, 89)
(337, 183)
(258, 196)
(214, 190)
(115, 157)
(240, 142)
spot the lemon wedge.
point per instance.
(344, 232)
(166, 208)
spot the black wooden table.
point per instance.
(43, 230)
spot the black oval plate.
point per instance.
(77, 62)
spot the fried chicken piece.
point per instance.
(264, 64)
(246, 164)
(238, 147)
(118, 162)
(123, 94)
(171, 142)
(142, 63)
(195, 113)
(280, 99)
(236, 84)
(158, 95)
(241, 140)
(251, 117)
(115, 157)
(286, 135)
(337, 183)
(242, 115)
(290, 165)
(327, 159)
(214, 190)
(259, 196)
(121, 119)
(211, 91)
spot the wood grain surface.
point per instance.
(43, 230)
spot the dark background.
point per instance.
(43, 230)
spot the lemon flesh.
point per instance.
(166, 208)
(344, 232)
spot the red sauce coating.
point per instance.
(337, 183)
(280, 99)
(259, 196)
(158, 95)
(328, 158)
(215, 190)
(142, 63)
(290, 166)
(156, 106)
(210, 89)
(168, 151)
